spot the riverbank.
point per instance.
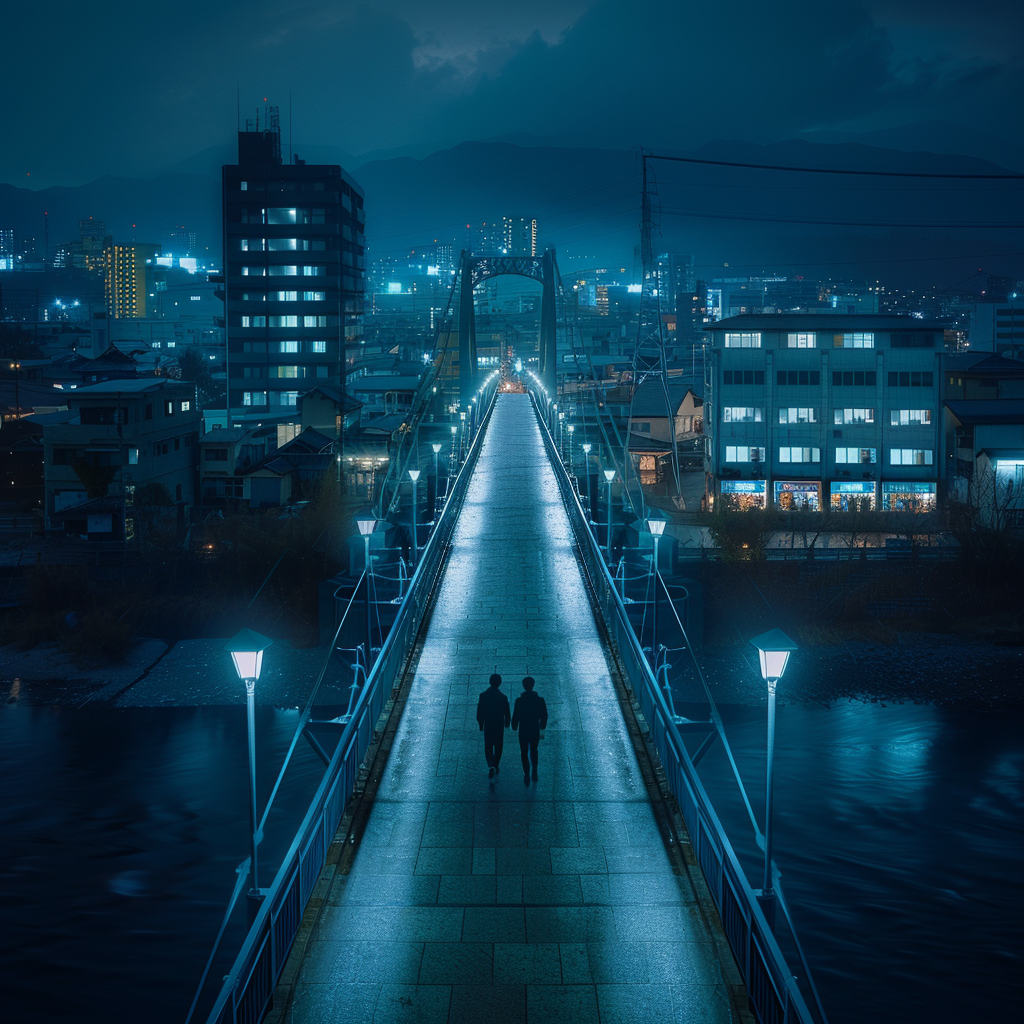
(919, 668)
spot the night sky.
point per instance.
(132, 88)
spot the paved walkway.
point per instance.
(478, 903)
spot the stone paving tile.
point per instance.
(487, 901)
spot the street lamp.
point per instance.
(609, 475)
(414, 475)
(774, 649)
(246, 649)
(657, 528)
(367, 522)
(586, 446)
(572, 430)
(436, 446)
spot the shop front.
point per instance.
(853, 496)
(796, 495)
(744, 494)
(908, 497)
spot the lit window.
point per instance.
(284, 371)
(286, 271)
(284, 296)
(314, 321)
(743, 340)
(910, 417)
(133, 456)
(280, 215)
(288, 346)
(743, 453)
(185, 406)
(244, 186)
(168, 408)
(318, 346)
(910, 457)
(254, 398)
(314, 296)
(282, 244)
(284, 321)
(740, 414)
(314, 271)
(800, 341)
(798, 415)
(252, 245)
(854, 416)
(854, 340)
(794, 454)
(853, 456)
(195, 298)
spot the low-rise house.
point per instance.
(113, 439)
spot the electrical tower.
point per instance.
(649, 359)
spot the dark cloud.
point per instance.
(123, 87)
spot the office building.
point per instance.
(294, 271)
(809, 409)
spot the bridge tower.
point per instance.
(475, 269)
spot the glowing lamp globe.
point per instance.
(246, 649)
(414, 475)
(366, 523)
(609, 475)
(774, 649)
(437, 447)
(656, 526)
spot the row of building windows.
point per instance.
(287, 320)
(752, 339)
(845, 496)
(284, 271)
(280, 186)
(287, 399)
(319, 370)
(282, 244)
(283, 296)
(283, 215)
(843, 456)
(285, 347)
(842, 417)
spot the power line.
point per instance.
(832, 170)
(831, 223)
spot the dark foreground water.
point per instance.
(900, 834)
(899, 830)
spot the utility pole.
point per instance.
(649, 358)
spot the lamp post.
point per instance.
(657, 528)
(609, 476)
(586, 446)
(462, 434)
(414, 475)
(246, 649)
(561, 450)
(436, 446)
(774, 649)
(572, 430)
(367, 522)
(16, 367)
(554, 410)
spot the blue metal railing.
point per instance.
(245, 995)
(772, 988)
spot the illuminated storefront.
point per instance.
(853, 496)
(744, 494)
(908, 497)
(797, 494)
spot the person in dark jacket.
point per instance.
(492, 714)
(529, 717)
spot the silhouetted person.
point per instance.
(529, 717)
(493, 715)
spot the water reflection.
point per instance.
(120, 831)
(899, 832)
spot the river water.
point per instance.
(898, 829)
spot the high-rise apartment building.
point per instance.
(294, 271)
(520, 235)
(126, 273)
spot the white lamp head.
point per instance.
(586, 446)
(774, 649)
(656, 526)
(367, 523)
(571, 429)
(414, 475)
(609, 475)
(455, 430)
(246, 648)
(462, 416)
(437, 447)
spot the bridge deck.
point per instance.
(555, 901)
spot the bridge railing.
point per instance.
(771, 986)
(245, 995)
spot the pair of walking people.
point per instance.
(528, 718)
